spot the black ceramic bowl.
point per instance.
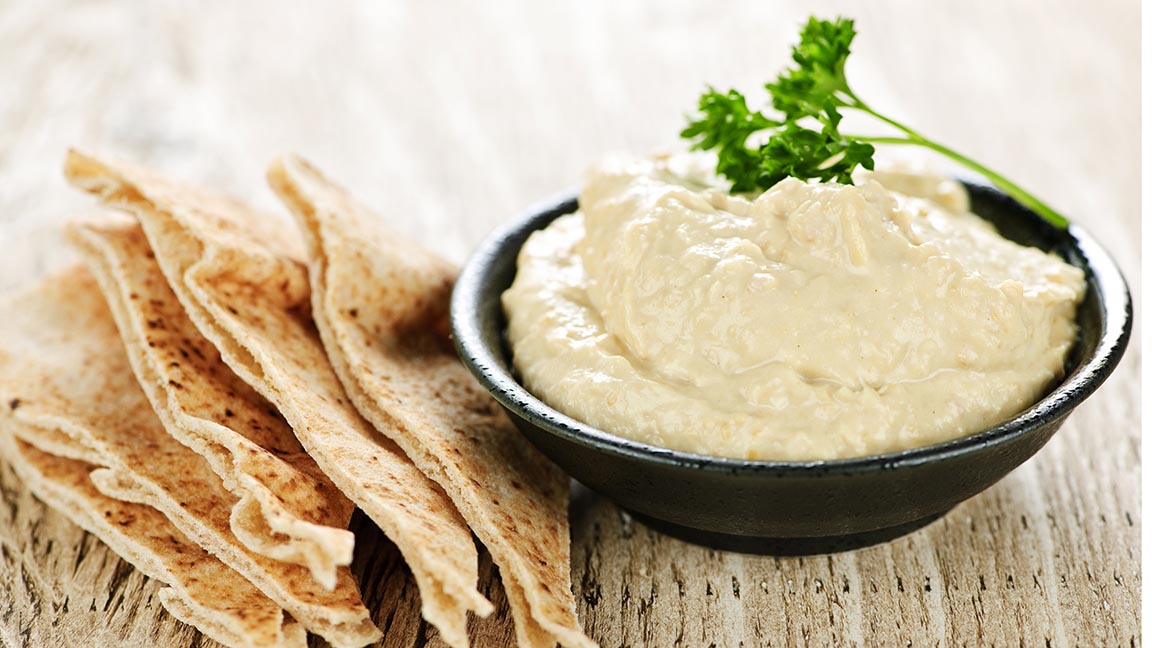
(793, 507)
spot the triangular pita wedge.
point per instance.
(247, 291)
(63, 369)
(201, 591)
(288, 510)
(381, 305)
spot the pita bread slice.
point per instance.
(288, 510)
(54, 442)
(381, 305)
(63, 364)
(202, 592)
(244, 287)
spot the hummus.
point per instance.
(813, 321)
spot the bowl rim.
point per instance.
(1101, 270)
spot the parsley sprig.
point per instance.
(806, 142)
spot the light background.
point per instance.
(451, 117)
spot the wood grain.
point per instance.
(450, 117)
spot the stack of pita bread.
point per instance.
(214, 391)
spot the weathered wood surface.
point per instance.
(452, 116)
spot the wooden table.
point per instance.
(450, 117)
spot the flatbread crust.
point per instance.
(288, 509)
(381, 305)
(241, 281)
(201, 592)
(63, 369)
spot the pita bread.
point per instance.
(63, 369)
(288, 510)
(55, 442)
(202, 592)
(381, 305)
(251, 300)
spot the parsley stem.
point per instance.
(1011, 188)
(882, 140)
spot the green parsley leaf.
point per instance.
(725, 124)
(798, 152)
(819, 73)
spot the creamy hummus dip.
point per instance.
(813, 321)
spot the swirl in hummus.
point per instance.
(813, 321)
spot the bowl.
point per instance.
(786, 506)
